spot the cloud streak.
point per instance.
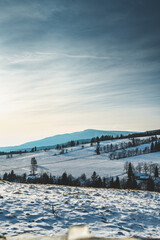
(63, 63)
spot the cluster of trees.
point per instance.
(98, 149)
(65, 179)
(106, 138)
(62, 147)
(133, 143)
(102, 138)
(131, 182)
(144, 134)
(12, 177)
(124, 145)
(34, 149)
(96, 181)
(11, 153)
(3, 153)
(129, 153)
(145, 182)
(62, 151)
(69, 144)
(114, 183)
(151, 169)
(155, 147)
(134, 135)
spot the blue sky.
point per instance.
(70, 65)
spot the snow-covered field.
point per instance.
(108, 213)
(76, 162)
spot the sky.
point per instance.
(70, 65)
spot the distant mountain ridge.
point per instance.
(64, 138)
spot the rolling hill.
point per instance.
(64, 138)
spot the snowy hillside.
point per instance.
(64, 138)
(50, 210)
(76, 161)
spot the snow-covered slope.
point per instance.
(64, 138)
(77, 161)
(50, 210)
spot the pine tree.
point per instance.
(72, 143)
(5, 176)
(70, 180)
(133, 141)
(12, 176)
(134, 184)
(99, 182)
(33, 165)
(156, 174)
(130, 171)
(117, 183)
(94, 179)
(64, 179)
(156, 146)
(104, 182)
(152, 147)
(45, 178)
(150, 184)
(111, 183)
(98, 149)
(24, 177)
(83, 177)
(131, 182)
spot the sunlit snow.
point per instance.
(50, 210)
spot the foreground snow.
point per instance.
(107, 212)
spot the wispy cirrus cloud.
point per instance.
(44, 56)
(62, 62)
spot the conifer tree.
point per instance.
(64, 179)
(33, 165)
(152, 147)
(111, 183)
(131, 182)
(156, 174)
(104, 182)
(130, 171)
(117, 183)
(150, 184)
(5, 176)
(99, 182)
(98, 149)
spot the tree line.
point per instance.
(73, 143)
(154, 147)
(129, 182)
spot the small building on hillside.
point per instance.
(32, 178)
(142, 180)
